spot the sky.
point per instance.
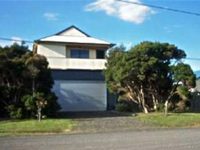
(115, 22)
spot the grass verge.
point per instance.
(173, 120)
(24, 127)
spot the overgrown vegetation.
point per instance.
(152, 75)
(25, 84)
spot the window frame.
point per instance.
(80, 53)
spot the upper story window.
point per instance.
(100, 54)
(79, 53)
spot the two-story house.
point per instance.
(77, 61)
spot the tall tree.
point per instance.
(22, 74)
(144, 72)
(11, 68)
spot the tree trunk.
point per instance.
(169, 97)
(130, 94)
(155, 103)
(130, 97)
(39, 114)
(145, 110)
(33, 86)
(143, 101)
(140, 103)
(166, 107)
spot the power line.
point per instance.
(161, 7)
(16, 40)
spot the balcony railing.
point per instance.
(74, 63)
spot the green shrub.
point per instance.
(25, 72)
(52, 105)
(14, 112)
(160, 107)
(29, 103)
(182, 106)
(125, 106)
(49, 108)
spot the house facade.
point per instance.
(77, 61)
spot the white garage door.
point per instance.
(81, 95)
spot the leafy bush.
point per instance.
(126, 106)
(122, 107)
(46, 102)
(14, 112)
(52, 105)
(182, 106)
(23, 73)
(28, 101)
(161, 107)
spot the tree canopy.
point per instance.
(147, 73)
(23, 73)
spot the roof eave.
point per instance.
(112, 44)
(60, 42)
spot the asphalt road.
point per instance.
(174, 139)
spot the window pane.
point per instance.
(79, 53)
(84, 54)
(74, 53)
(100, 54)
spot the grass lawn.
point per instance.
(23, 127)
(172, 120)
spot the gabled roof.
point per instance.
(67, 30)
(72, 35)
(73, 39)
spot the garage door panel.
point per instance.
(81, 95)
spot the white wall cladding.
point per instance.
(92, 53)
(50, 50)
(81, 95)
(58, 58)
(73, 63)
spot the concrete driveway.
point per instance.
(175, 139)
(92, 122)
(109, 124)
